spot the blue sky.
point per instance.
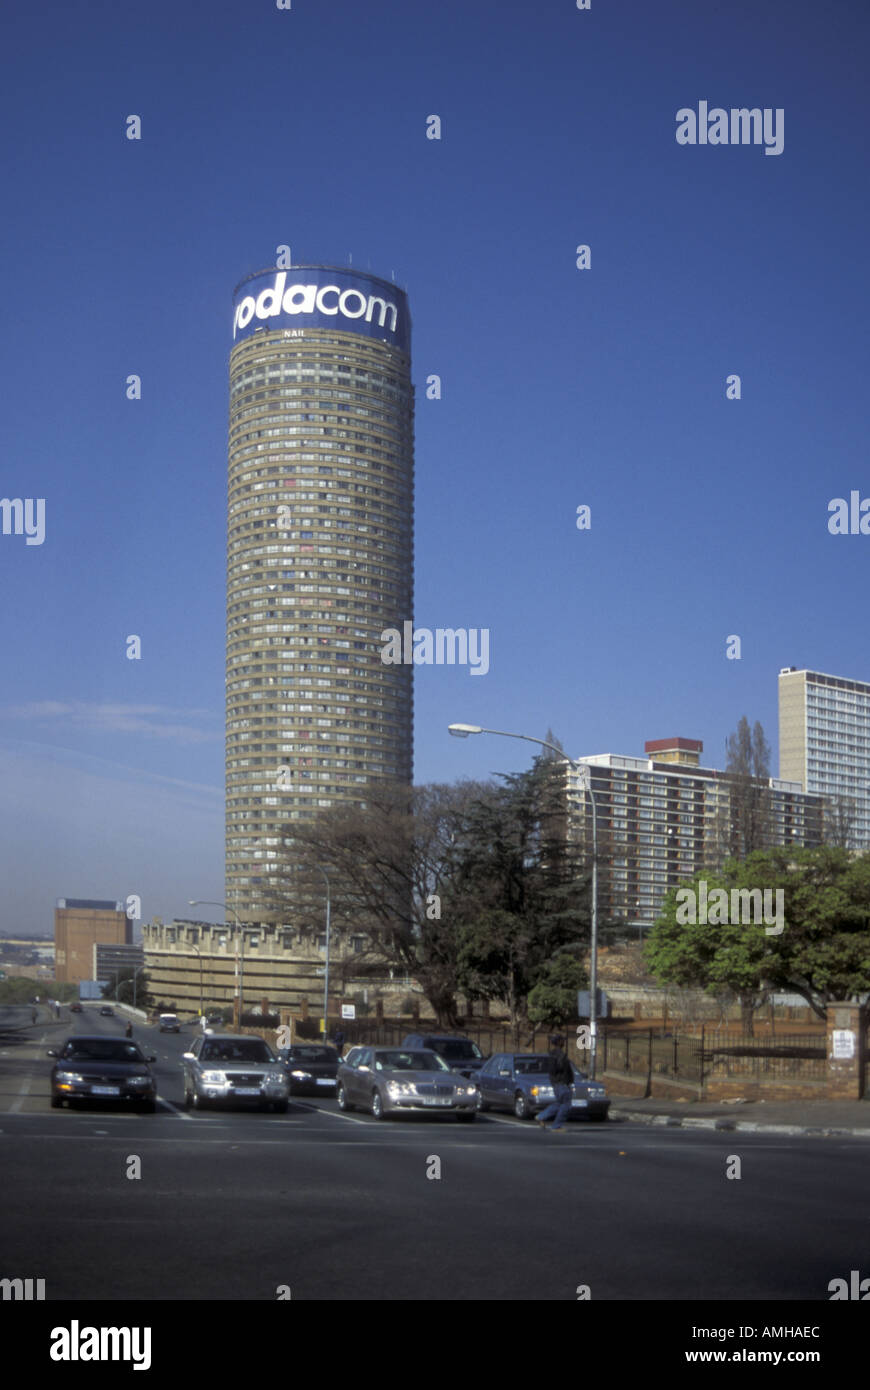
(561, 387)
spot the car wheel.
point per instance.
(197, 1101)
(281, 1106)
(377, 1105)
(521, 1106)
(481, 1103)
(343, 1102)
(56, 1102)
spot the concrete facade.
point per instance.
(319, 563)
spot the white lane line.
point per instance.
(182, 1114)
(340, 1115)
(24, 1090)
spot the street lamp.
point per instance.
(326, 979)
(584, 774)
(207, 902)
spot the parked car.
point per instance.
(311, 1068)
(225, 1067)
(107, 1011)
(169, 1023)
(460, 1054)
(105, 1069)
(520, 1081)
(76, 1009)
(389, 1080)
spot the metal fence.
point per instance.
(712, 1054)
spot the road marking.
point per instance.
(24, 1091)
(341, 1115)
(182, 1114)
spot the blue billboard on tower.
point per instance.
(322, 297)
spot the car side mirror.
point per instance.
(363, 1068)
(52, 1052)
(188, 1057)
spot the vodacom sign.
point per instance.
(278, 299)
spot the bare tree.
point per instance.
(748, 770)
(841, 816)
(390, 863)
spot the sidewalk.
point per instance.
(819, 1117)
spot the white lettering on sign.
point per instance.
(280, 297)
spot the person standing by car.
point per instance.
(561, 1079)
(338, 1039)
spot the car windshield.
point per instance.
(312, 1054)
(409, 1061)
(457, 1049)
(101, 1050)
(237, 1050)
(531, 1066)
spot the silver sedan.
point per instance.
(389, 1080)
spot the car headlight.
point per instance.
(401, 1088)
(213, 1078)
(68, 1077)
(139, 1080)
(277, 1076)
(301, 1075)
(543, 1092)
(466, 1090)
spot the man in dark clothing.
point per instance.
(561, 1079)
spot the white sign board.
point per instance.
(844, 1043)
(348, 1010)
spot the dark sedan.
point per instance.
(520, 1082)
(460, 1054)
(312, 1068)
(105, 1069)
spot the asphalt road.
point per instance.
(234, 1204)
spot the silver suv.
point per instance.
(223, 1066)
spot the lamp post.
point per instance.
(584, 775)
(326, 973)
(207, 902)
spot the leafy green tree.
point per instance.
(520, 895)
(822, 952)
(553, 1000)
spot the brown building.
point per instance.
(79, 925)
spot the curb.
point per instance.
(722, 1123)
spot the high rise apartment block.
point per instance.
(662, 818)
(319, 559)
(824, 743)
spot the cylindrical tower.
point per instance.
(319, 557)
